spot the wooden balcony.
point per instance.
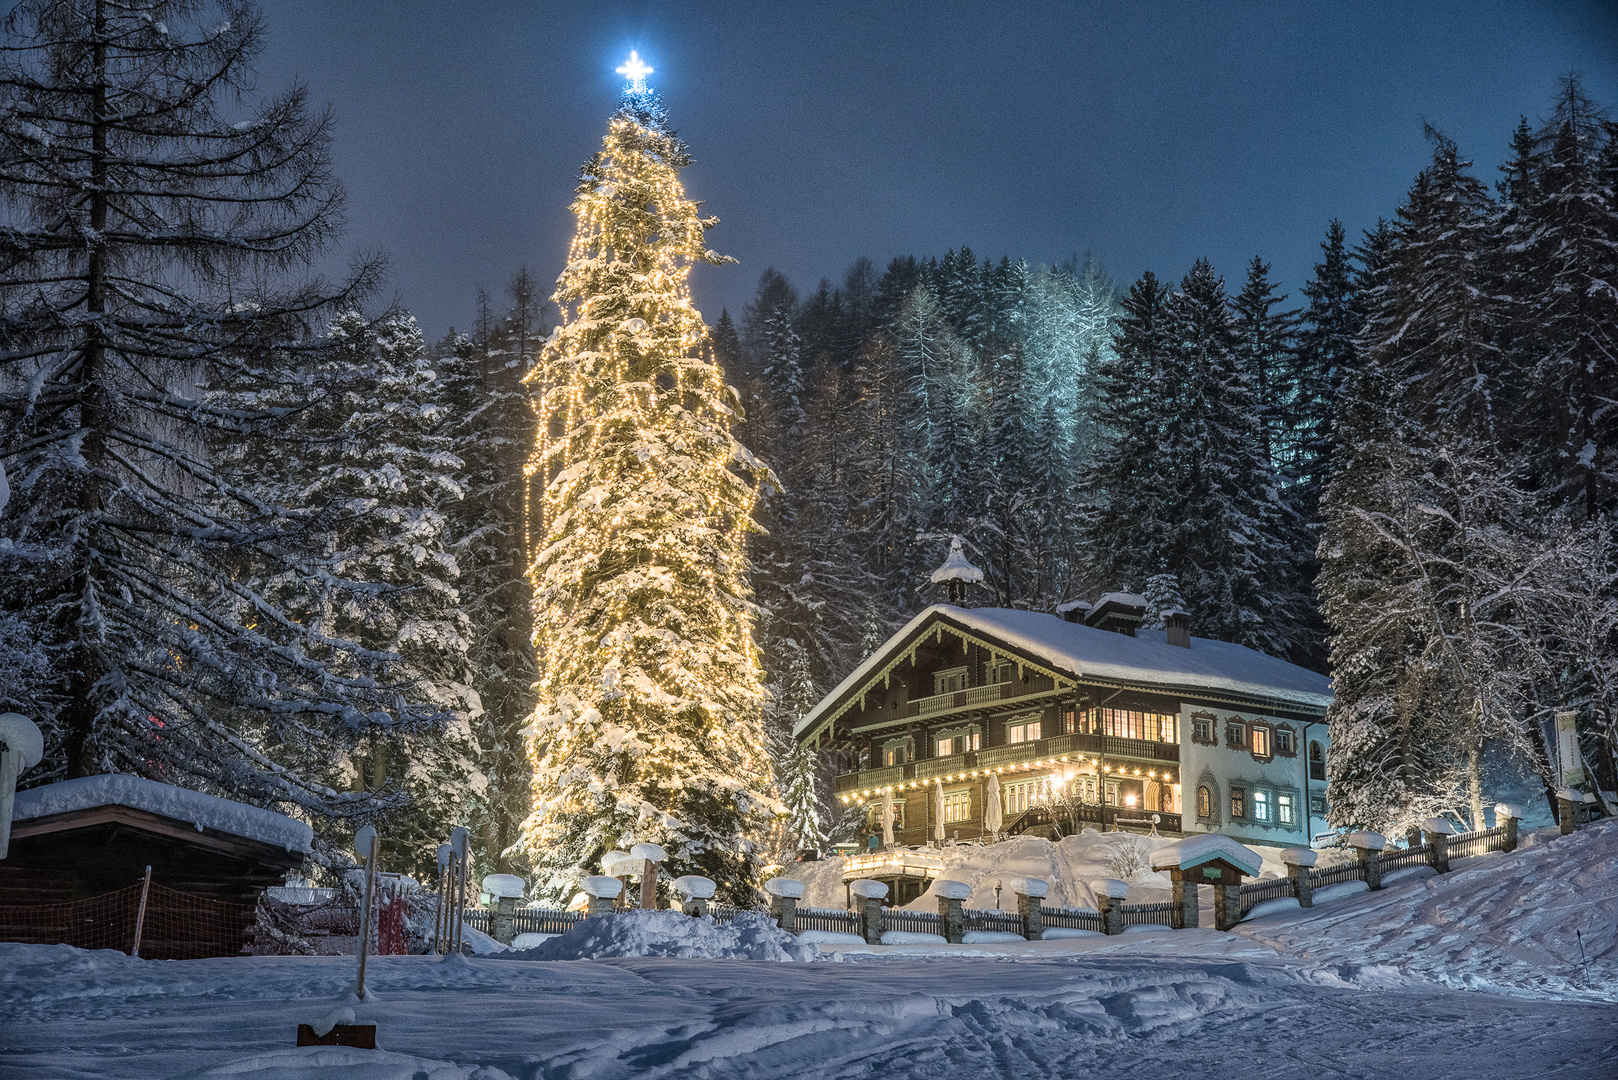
(1107, 746)
(959, 699)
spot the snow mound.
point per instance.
(342, 1063)
(752, 936)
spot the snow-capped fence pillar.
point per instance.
(1368, 846)
(784, 896)
(695, 892)
(952, 908)
(869, 895)
(649, 855)
(1110, 895)
(1031, 893)
(1507, 816)
(1185, 915)
(620, 865)
(1300, 864)
(1570, 808)
(1435, 833)
(602, 891)
(503, 890)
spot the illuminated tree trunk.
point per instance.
(648, 724)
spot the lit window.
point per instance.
(949, 745)
(896, 753)
(1238, 803)
(1204, 802)
(1285, 810)
(1261, 806)
(1025, 732)
(957, 806)
(1261, 741)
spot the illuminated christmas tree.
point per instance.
(648, 725)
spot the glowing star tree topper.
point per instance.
(635, 71)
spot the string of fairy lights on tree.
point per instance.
(639, 502)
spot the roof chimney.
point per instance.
(1177, 627)
(1073, 610)
(1119, 612)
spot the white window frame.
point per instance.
(942, 677)
(957, 806)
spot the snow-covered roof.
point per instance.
(1194, 851)
(181, 804)
(1086, 652)
(1122, 599)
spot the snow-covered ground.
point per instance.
(1475, 974)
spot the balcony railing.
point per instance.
(959, 699)
(1093, 745)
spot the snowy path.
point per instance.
(82, 1015)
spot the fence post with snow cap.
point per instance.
(649, 855)
(1206, 859)
(1031, 893)
(1507, 815)
(602, 891)
(1368, 847)
(784, 896)
(621, 865)
(1300, 864)
(952, 908)
(869, 895)
(1110, 895)
(503, 890)
(1435, 833)
(1570, 808)
(695, 892)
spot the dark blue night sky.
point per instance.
(1145, 134)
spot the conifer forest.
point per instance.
(262, 536)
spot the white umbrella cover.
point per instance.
(992, 819)
(938, 809)
(887, 818)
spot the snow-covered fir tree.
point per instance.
(491, 427)
(161, 217)
(370, 461)
(649, 721)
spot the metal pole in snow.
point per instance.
(140, 913)
(365, 916)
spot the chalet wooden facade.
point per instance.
(1084, 720)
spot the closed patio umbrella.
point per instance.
(887, 818)
(992, 819)
(938, 809)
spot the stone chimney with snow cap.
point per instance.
(1177, 626)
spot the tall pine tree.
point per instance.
(648, 725)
